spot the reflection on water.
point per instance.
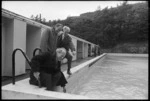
(116, 78)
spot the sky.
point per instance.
(54, 10)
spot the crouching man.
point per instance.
(45, 71)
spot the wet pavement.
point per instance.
(116, 78)
(7, 80)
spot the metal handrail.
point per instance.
(13, 62)
(36, 50)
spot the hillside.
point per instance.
(126, 23)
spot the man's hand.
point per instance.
(60, 33)
(74, 53)
(36, 75)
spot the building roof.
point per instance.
(12, 15)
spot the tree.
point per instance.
(98, 8)
(108, 27)
(32, 17)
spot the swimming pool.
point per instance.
(113, 77)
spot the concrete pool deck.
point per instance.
(114, 82)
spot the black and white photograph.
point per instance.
(74, 50)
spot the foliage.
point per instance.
(131, 48)
(109, 26)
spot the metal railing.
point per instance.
(27, 59)
(36, 50)
(13, 62)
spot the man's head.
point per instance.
(66, 29)
(60, 53)
(58, 27)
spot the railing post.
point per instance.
(13, 66)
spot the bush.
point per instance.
(140, 48)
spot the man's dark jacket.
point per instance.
(65, 42)
(48, 40)
(46, 64)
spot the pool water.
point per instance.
(115, 77)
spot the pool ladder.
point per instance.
(26, 57)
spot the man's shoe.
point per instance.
(64, 89)
(69, 73)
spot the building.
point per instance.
(21, 32)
